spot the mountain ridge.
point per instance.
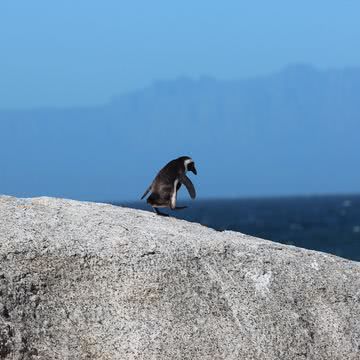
(294, 131)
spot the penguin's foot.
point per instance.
(180, 207)
(158, 212)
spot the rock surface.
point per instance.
(94, 281)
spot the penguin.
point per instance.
(168, 181)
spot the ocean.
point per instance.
(324, 223)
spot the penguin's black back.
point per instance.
(172, 169)
(164, 181)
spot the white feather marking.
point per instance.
(173, 196)
(187, 162)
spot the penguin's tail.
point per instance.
(146, 192)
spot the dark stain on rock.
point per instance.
(5, 312)
(6, 335)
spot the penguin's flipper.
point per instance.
(189, 186)
(180, 207)
(146, 192)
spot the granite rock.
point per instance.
(93, 281)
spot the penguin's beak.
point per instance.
(192, 168)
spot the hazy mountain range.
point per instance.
(293, 132)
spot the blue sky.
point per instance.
(82, 52)
(73, 53)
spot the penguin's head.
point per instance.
(189, 164)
